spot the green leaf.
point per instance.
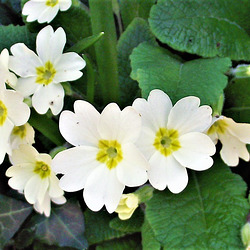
(137, 32)
(237, 102)
(149, 241)
(207, 28)
(75, 22)
(208, 214)
(42, 123)
(134, 8)
(65, 226)
(15, 34)
(12, 214)
(97, 227)
(85, 43)
(131, 225)
(153, 68)
(126, 243)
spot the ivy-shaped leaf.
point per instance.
(154, 68)
(208, 214)
(208, 28)
(137, 32)
(12, 214)
(65, 226)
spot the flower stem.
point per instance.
(102, 19)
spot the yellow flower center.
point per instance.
(166, 141)
(110, 153)
(51, 3)
(3, 113)
(45, 74)
(42, 169)
(20, 131)
(218, 127)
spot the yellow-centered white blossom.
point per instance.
(44, 10)
(172, 138)
(233, 136)
(41, 75)
(127, 206)
(104, 158)
(31, 174)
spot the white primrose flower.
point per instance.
(233, 136)
(41, 75)
(23, 134)
(13, 112)
(6, 76)
(172, 138)
(44, 10)
(104, 158)
(31, 174)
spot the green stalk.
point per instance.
(102, 19)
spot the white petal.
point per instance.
(18, 112)
(73, 159)
(167, 172)
(24, 154)
(186, 116)
(48, 14)
(32, 188)
(160, 105)
(80, 128)
(232, 149)
(239, 130)
(33, 10)
(48, 96)
(57, 43)
(5, 131)
(65, 5)
(59, 200)
(43, 44)
(43, 207)
(43, 189)
(97, 190)
(24, 61)
(54, 189)
(109, 122)
(67, 75)
(130, 125)
(26, 86)
(69, 61)
(196, 149)
(132, 169)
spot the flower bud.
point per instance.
(127, 206)
(245, 235)
(241, 71)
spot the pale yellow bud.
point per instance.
(127, 206)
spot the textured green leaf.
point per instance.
(12, 215)
(208, 28)
(15, 34)
(65, 226)
(75, 22)
(131, 225)
(137, 32)
(149, 241)
(153, 68)
(97, 227)
(208, 214)
(134, 8)
(127, 243)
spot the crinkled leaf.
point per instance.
(208, 214)
(12, 215)
(208, 28)
(134, 8)
(126, 243)
(131, 225)
(137, 32)
(154, 68)
(149, 241)
(65, 226)
(97, 227)
(15, 34)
